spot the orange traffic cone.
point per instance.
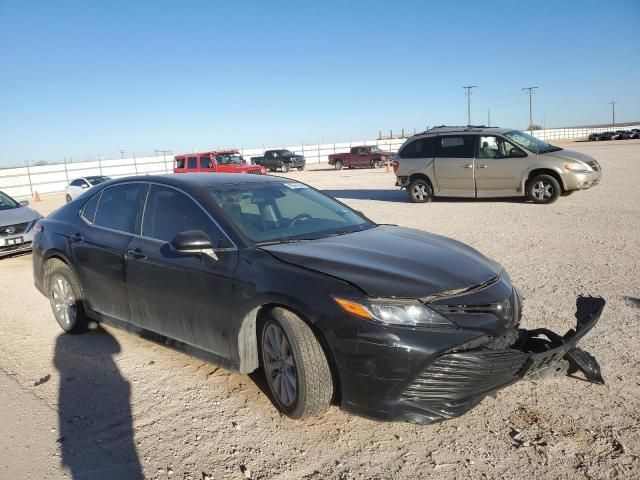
(36, 197)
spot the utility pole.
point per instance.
(488, 117)
(121, 154)
(468, 93)
(613, 113)
(530, 92)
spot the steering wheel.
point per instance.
(300, 218)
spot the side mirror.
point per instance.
(191, 241)
(516, 152)
(24, 203)
(84, 185)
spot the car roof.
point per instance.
(187, 180)
(204, 154)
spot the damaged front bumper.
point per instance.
(455, 381)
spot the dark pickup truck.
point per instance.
(361, 156)
(284, 160)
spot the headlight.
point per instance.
(395, 312)
(577, 167)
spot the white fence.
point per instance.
(24, 182)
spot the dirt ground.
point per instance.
(108, 405)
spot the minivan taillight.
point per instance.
(396, 165)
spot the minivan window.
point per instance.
(456, 146)
(498, 147)
(192, 162)
(420, 148)
(169, 212)
(119, 207)
(530, 142)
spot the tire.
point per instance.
(377, 164)
(272, 169)
(284, 167)
(301, 168)
(68, 198)
(338, 165)
(65, 297)
(543, 189)
(304, 365)
(420, 191)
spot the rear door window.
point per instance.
(205, 162)
(120, 207)
(456, 146)
(192, 162)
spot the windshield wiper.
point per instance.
(278, 241)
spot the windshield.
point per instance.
(7, 203)
(531, 143)
(277, 212)
(97, 180)
(285, 153)
(229, 158)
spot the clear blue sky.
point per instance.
(82, 78)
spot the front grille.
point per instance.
(16, 229)
(20, 246)
(255, 171)
(459, 377)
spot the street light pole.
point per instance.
(613, 113)
(468, 89)
(530, 92)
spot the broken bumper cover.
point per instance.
(457, 380)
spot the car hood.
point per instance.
(569, 155)
(390, 261)
(17, 215)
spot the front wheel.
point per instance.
(543, 189)
(284, 167)
(65, 297)
(68, 198)
(301, 167)
(295, 366)
(420, 191)
(338, 165)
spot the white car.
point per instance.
(17, 222)
(81, 185)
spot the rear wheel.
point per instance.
(543, 189)
(284, 167)
(301, 167)
(68, 198)
(338, 165)
(377, 164)
(420, 191)
(65, 297)
(295, 366)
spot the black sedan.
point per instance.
(268, 273)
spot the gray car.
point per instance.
(489, 162)
(17, 222)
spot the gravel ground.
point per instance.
(110, 405)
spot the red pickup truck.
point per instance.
(223, 161)
(361, 156)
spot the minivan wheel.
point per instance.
(65, 298)
(543, 189)
(285, 167)
(338, 165)
(68, 198)
(377, 164)
(420, 191)
(295, 366)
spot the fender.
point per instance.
(528, 171)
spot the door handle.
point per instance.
(468, 165)
(136, 253)
(481, 166)
(76, 237)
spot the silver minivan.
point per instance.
(489, 162)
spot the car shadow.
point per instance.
(94, 409)
(402, 196)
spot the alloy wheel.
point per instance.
(542, 190)
(279, 365)
(63, 301)
(420, 192)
